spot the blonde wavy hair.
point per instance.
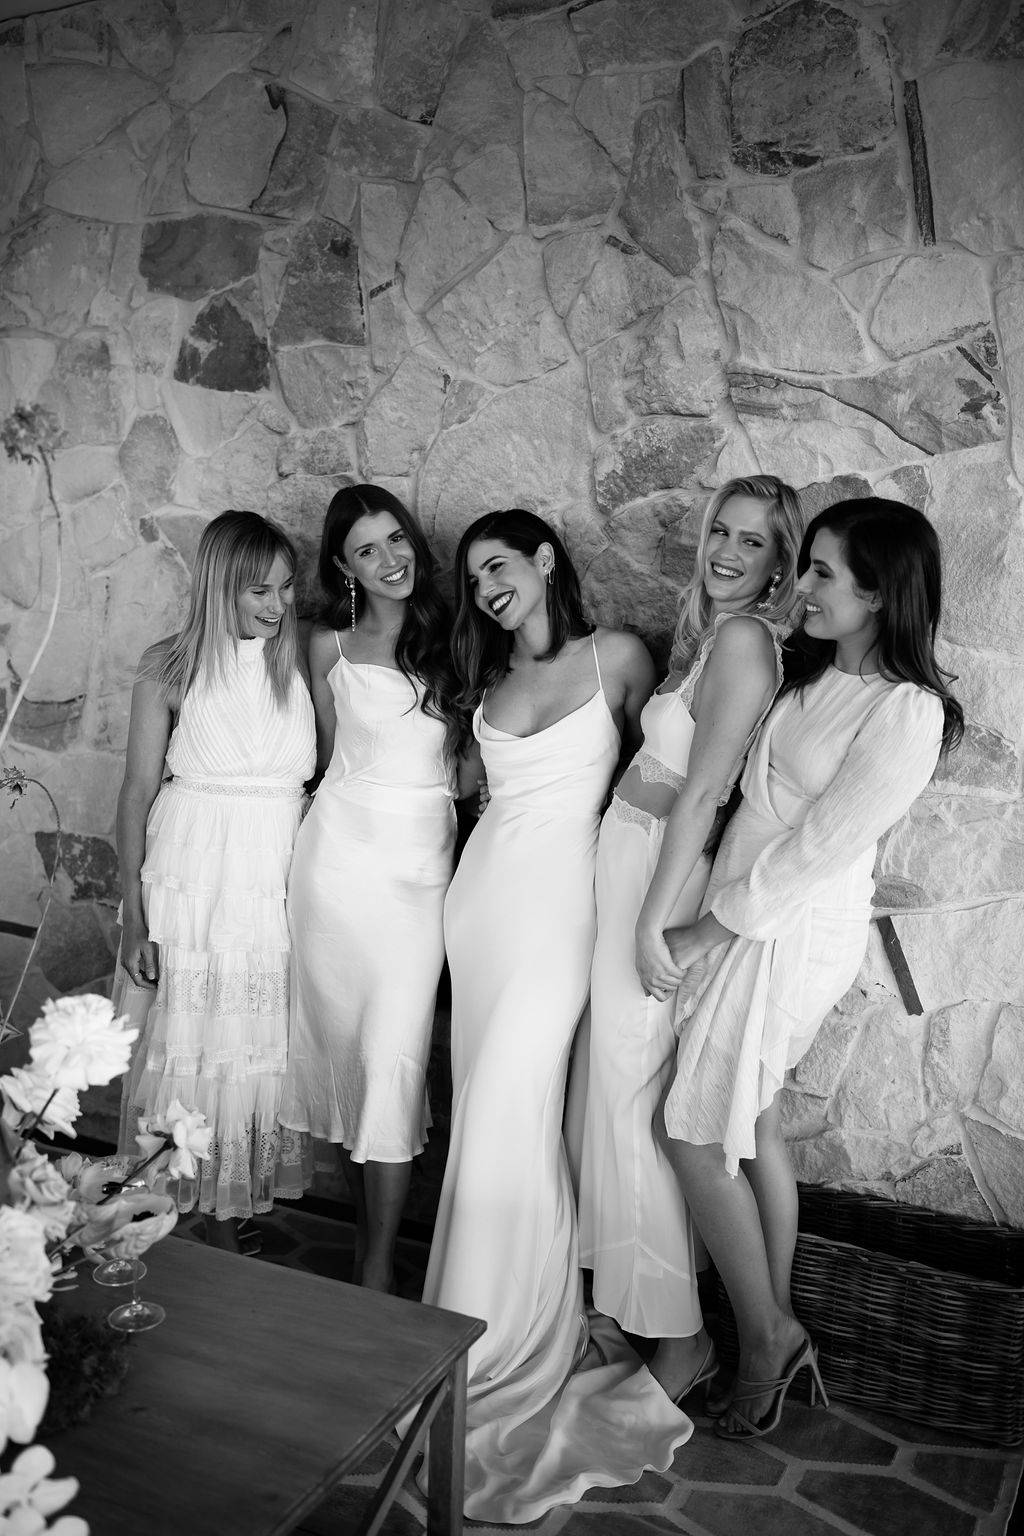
(236, 551)
(786, 525)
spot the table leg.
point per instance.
(447, 1457)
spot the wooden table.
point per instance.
(262, 1388)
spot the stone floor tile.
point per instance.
(342, 1511)
(651, 1489)
(752, 1514)
(707, 1459)
(815, 1435)
(910, 1434)
(973, 1479)
(617, 1522)
(883, 1507)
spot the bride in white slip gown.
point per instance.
(204, 861)
(519, 927)
(372, 863)
(635, 1233)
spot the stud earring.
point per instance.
(773, 587)
(351, 599)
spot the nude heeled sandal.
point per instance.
(749, 1391)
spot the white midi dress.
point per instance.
(832, 769)
(372, 864)
(519, 925)
(218, 845)
(635, 1232)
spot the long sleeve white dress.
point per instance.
(834, 767)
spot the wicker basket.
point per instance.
(913, 1313)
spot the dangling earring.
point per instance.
(773, 586)
(550, 574)
(352, 599)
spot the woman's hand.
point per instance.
(658, 972)
(140, 955)
(691, 943)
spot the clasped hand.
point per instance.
(663, 958)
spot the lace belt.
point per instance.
(246, 790)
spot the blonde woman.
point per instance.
(652, 870)
(204, 858)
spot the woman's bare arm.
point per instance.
(149, 731)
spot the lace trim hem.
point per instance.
(246, 791)
(654, 771)
(624, 811)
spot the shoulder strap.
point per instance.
(597, 664)
(337, 641)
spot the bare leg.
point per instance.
(357, 1189)
(770, 1175)
(676, 1362)
(386, 1185)
(727, 1214)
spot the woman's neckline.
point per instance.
(512, 736)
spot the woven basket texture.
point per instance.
(912, 1312)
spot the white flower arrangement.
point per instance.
(47, 1208)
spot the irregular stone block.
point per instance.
(202, 419)
(321, 299)
(661, 454)
(298, 505)
(327, 452)
(148, 129)
(323, 385)
(384, 211)
(299, 168)
(370, 143)
(976, 154)
(21, 569)
(531, 439)
(181, 529)
(415, 45)
(192, 257)
(1009, 309)
(944, 401)
(81, 472)
(339, 199)
(63, 669)
(13, 90)
(543, 47)
(80, 34)
(568, 260)
(567, 175)
(624, 595)
(153, 329)
(623, 285)
(54, 268)
(944, 1184)
(100, 529)
(610, 368)
(238, 474)
(168, 193)
(957, 1048)
(88, 395)
(223, 351)
(707, 114)
(962, 955)
(106, 183)
(984, 761)
(203, 62)
(148, 459)
(443, 239)
(335, 49)
(654, 210)
(403, 417)
(480, 103)
(619, 33)
(959, 843)
(54, 726)
(73, 949)
(853, 207)
(820, 1070)
(977, 515)
(674, 361)
(88, 865)
(235, 135)
(147, 33)
(607, 106)
(780, 317)
(771, 208)
(77, 105)
(19, 162)
(808, 82)
(394, 329)
(498, 322)
(1001, 1091)
(929, 299)
(493, 183)
(1001, 1159)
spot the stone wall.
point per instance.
(593, 258)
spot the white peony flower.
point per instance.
(28, 1092)
(38, 1186)
(78, 1042)
(21, 1334)
(144, 1219)
(24, 1268)
(23, 1393)
(28, 1494)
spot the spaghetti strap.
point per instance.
(337, 641)
(597, 664)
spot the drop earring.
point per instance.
(772, 588)
(351, 600)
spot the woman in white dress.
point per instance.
(372, 863)
(204, 859)
(849, 745)
(652, 871)
(554, 698)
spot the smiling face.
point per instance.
(741, 554)
(379, 555)
(836, 608)
(262, 605)
(507, 585)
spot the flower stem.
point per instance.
(5, 729)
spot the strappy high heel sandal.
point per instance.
(748, 1391)
(707, 1369)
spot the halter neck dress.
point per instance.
(519, 927)
(218, 847)
(635, 1232)
(372, 863)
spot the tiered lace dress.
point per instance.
(372, 863)
(218, 846)
(832, 769)
(635, 1232)
(519, 924)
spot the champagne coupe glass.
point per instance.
(136, 1316)
(119, 1272)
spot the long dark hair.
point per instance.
(482, 649)
(422, 647)
(891, 549)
